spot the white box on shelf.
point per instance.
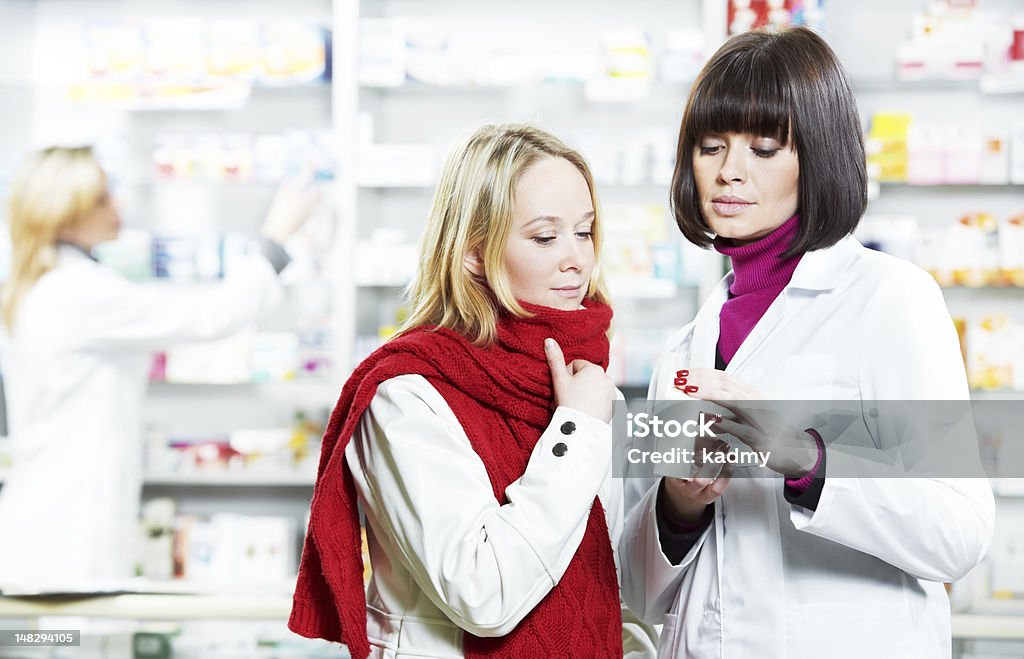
(222, 362)
(382, 58)
(236, 549)
(426, 44)
(995, 158)
(387, 259)
(397, 165)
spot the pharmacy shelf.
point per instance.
(230, 479)
(152, 607)
(997, 394)
(970, 626)
(986, 288)
(1009, 488)
(532, 87)
(270, 607)
(952, 187)
(227, 98)
(647, 289)
(386, 285)
(987, 84)
(994, 84)
(223, 479)
(996, 607)
(145, 599)
(309, 393)
(207, 184)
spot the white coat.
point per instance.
(447, 558)
(75, 369)
(861, 576)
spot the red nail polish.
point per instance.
(682, 374)
(679, 381)
(690, 390)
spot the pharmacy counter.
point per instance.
(151, 607)
(163, 606)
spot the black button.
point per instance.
(568, 428)
(559, 449)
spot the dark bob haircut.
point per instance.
(788, 85)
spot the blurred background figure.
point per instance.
(78, 341)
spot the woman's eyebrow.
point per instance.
(542, 218)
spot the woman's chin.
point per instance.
(740, 238)
(560, 303)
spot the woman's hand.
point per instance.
(292, 205)
(581, 385)
(687, 498)
(792, 452)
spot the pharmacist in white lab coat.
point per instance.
(799, 562)
(77, 348)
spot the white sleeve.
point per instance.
(650, 583)
(118, 313)
(613, 502)
(485, 565)
(935, 529)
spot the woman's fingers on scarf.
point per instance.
(577, 365)
(556, 362)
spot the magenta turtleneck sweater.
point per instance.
(759, 275)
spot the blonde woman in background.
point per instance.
(77, 344)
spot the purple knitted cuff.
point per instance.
(800, 485)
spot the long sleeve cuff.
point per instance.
(806, 491)
(677, 538)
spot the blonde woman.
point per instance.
(477, 442)
(77, 343)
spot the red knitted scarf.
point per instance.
(502, 396)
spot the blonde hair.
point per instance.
(472, 209)
(52, 190)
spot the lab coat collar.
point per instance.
(706, 328)
(821, 269)
(69, 252)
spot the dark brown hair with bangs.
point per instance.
(789, 85)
